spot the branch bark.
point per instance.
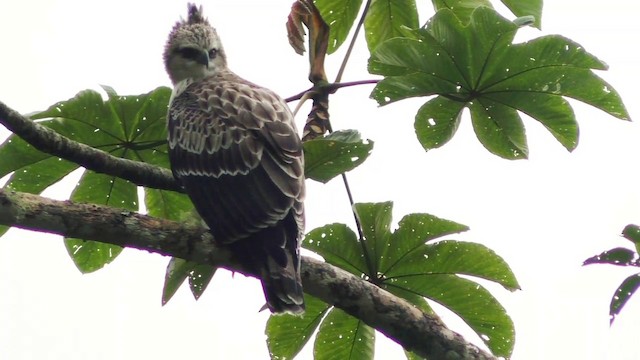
(416, 331)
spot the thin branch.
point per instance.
(422, 333)
(331, 88)
(299, 95)
(50, 142)
(336, 86)
(343, 66)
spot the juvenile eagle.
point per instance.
(234, 147)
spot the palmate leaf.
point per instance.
(476, 65)
(334, 154)
(131, 127)
(408, 263)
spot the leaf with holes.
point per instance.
(477, 66)
(334, 154)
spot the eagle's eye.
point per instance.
(189, 53)
(213, 53)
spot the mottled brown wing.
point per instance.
(235, 148)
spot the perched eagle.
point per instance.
(234, 147)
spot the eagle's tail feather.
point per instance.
(282, 286)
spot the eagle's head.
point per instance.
(193, 50)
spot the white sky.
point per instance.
(544, 216)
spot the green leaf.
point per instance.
(339, 246)
(419, 301)
(631, 232)
(287, 334)
(617, 256)
(36, 177)
(469, 300)
(340, 15)
(526, 7)
(455, 257)
(414, 230)
(131, 127)
(386, 18)
(375, 219)
(499, 129)
(94, 188)
(176, 273)
(199, 278)
(552, 111)
(622, 295)
(343, 337)
(168, 204)
(413, 356)
(334, 154)
(437, 120)
(461, 8)
(178, 270)
(476, 65)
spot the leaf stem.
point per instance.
(353, 41)
(372, 271)
(332, 88)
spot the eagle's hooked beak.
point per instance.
(203, 58)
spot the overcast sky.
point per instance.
(544, 215)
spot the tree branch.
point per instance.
(424, 334)
(414, 330)
(50, 142)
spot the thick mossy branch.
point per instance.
(421, 333)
